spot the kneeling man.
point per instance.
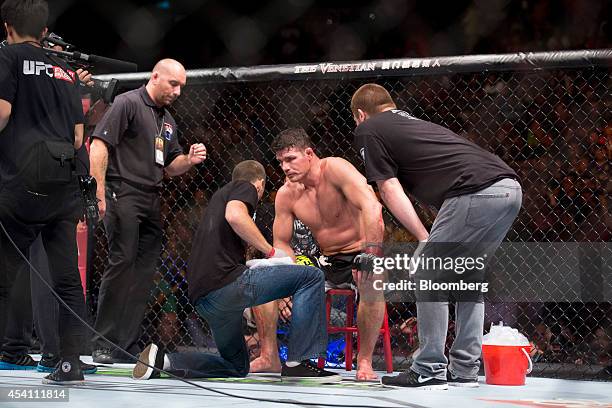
(221, 287)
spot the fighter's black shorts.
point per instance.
(338, 268)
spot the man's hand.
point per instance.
(284, 309)
(101, 205)
(85, 77)
(415, 256)
(419, 249)
(197, 153)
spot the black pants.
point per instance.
(31, 298)
(134, 233)
(16, 339)
(45, 305)
(29, 294)
(26, 215)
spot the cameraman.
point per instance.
(17, 339)
(41, 125)
(44, 304)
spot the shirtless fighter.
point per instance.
(331, 198)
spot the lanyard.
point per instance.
(161, 126)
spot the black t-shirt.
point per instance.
(430, 161)
(45, 103)
(130, 128)
(218, 253)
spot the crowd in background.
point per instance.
(288, 32)
(400, 29)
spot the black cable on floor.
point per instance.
(279, 401)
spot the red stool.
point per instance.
(351, 328)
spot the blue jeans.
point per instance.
(483, 217)
(223, 309)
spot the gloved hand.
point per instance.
(277, 253)
(364, 265)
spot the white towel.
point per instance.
(258, 263)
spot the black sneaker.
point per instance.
(21, 362)
(306, 371)
(152, 356)
(461, 382)
(48, 363)
(68, 372)
(410, 379)
(102, 356)
(107, 356)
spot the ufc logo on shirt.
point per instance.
(52, 71)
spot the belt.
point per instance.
(138, 186)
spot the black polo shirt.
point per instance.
(430, 161)
(129, 128)
(45, 103)
(218, 253)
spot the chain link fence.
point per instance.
(552, 123)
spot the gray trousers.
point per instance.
(483, 217)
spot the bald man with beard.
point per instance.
(133, 144)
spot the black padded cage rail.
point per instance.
(546, 114)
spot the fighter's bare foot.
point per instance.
(365, 372)
(265, 365)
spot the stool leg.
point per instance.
(348, 348)
(387, 343)
(321, 362)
